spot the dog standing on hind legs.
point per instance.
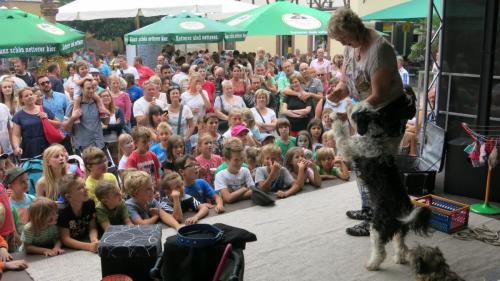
(372, 152)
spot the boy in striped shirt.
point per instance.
(174, 201)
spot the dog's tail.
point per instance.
(418, 220)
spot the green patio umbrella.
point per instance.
(281, 18)
(408, 11)
(23, 34)
(185, 28)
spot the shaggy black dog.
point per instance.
(372, 150)
(393, 213)
(389, 197)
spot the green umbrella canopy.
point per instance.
(185, 28)
(408, 11)
(24, 34)
(281, 18)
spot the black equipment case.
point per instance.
(418, 173)
(130, 249)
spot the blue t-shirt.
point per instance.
(160, 152)
(58, 104)
(200, 190)
(135, 93)
(22, 210)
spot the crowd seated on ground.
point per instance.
(168, 144)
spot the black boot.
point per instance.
(361, 229)
(364, 214)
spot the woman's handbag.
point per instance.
(223, 124)
(52, 134)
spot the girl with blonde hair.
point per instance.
(54, 168)
(7, 95)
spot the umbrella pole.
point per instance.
(137, 22)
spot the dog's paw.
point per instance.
(375, 261)
(400, 258)
(372, 266)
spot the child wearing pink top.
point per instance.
(207, 160)
(8, 229)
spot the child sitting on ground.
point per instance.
(328, 140)
(40, 235)
(297, 165)
(249, 121)
(315, 129)
(175, 150)
(141, 158)
(272, 177)
(207, 160)
(6, 260)
(96, 166)
(76, 220)
(176, 202)
(326, 119)
(142, 207)
(126, 144)
(8, 227)
(285, 141)
(111, 209)
(235, 182)
(211, 125)
(188, 168)
(252, 157)
(160, 149)
(304, 140)
(230, 141)
(241, 131)
(16, 180)
(193, 140)
(331, 167)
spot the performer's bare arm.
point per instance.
(381, 84)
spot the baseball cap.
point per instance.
(265, 136)
(94, 70)
(12, 174)
(238, 129)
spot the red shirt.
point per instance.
(206, 165)
(8, 226)
(210, 88)
(147, 162)
(144, 73)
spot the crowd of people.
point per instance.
(195, 132)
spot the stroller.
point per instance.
(34, 169)
(203, 252)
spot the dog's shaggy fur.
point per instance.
(429, 264)
(372, 153)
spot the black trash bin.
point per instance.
(418, 173)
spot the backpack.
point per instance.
(34, 169)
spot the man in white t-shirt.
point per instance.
(125, 68)
(178, 78)
(141, 106)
